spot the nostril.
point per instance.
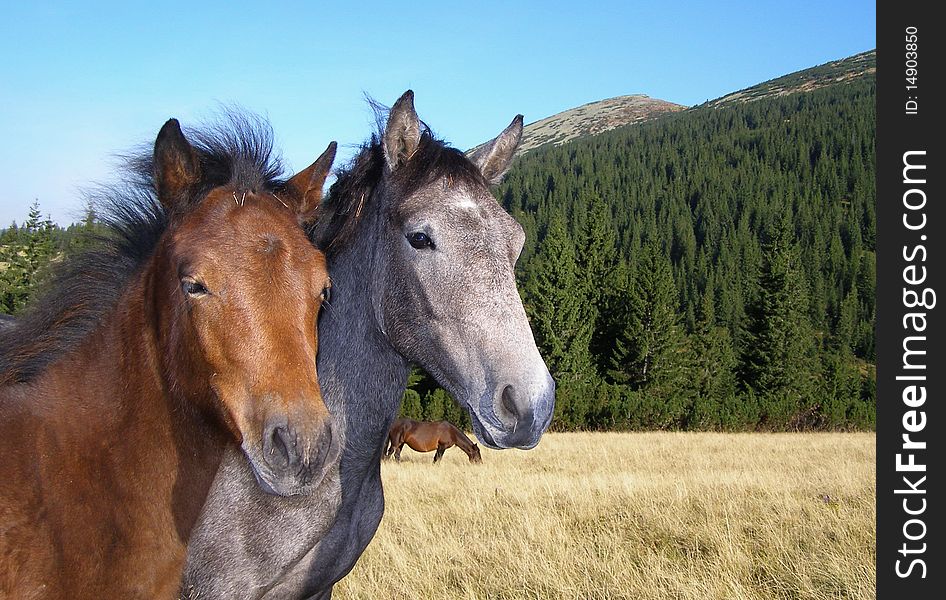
(509, 401)
(282, 447)
(514, 408)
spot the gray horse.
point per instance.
(421, 258)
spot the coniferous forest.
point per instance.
(713, 269)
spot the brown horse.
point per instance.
(191, 325)
(427, 436)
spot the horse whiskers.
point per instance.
(280, 200)
(361, 203)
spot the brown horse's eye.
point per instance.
(326, 294)
(192, 287)
(419, 240)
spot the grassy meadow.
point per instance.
(630, 515)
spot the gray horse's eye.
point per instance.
(419, 240)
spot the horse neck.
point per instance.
(462, 442)
(120, 438)
(361, 375)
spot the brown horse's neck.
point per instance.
(124, 435)
(163, 424)
(462, 442)
(196, 440)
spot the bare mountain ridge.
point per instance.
(604, 115)
(594, 118)
(806, 80)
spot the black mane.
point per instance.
(353, 193)
(238, 150)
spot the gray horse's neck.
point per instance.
(361, 375)
(362, 379)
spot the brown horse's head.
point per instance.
(475, 454)
(238, 340)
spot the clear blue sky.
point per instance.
(80, 81)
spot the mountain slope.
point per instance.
(604, 115)
(806, 80)
(730, 203)
(594, 118)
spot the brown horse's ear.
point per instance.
(402, 133)
(305, 187)
(176, 166)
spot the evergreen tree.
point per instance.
(24, 260)
(82, 235)
(708, 186)
(435, 405)
(454, 413)
(778, 342)
(411, 406)
(556, 306)
(596, 261)
(651, 331)
(713, 370)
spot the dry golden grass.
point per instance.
(648, 515)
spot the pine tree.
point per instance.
(596, 261)
(778, 341)
(454, 413)
(713, 369)
(556, 306)
(83, 234)
(708, 186)
(434, 405)
(24, 261)
(647, 351)
(411, 406)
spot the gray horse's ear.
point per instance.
(402, 133)
(176, 166)
(305, 187)
(493, 157)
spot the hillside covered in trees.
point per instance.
(712, 269)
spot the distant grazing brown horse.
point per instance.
(193, 323)
(426, 436)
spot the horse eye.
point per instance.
(419, 240)
(192, 287)
(326, 295)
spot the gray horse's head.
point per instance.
(444, 291)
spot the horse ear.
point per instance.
(176, 166)
(305, 187)
(493, 157)
(402, 133)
